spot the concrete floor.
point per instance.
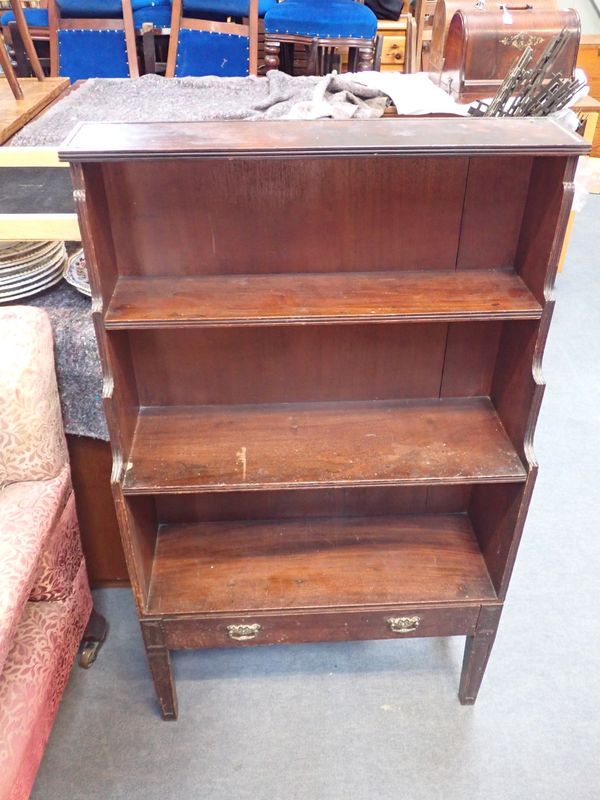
(380, 720)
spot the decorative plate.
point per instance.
(76, 273)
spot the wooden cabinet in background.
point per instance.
(398, 44)
(321, 422)
(589, 61)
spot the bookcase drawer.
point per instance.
(257, 629)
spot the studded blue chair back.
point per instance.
(92, 39)
(206, 41)
(321, 26)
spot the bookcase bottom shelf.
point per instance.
(283, 566)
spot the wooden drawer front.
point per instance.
(328, 626)
(393, 50)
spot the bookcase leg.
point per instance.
(159, 661)
(477, 653)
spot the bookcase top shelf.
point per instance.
(213, 300)
(92, 141)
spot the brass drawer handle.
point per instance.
(242, 633)
(404, 624)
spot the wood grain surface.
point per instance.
(430, 137)
(319, 298)
(316, 445)
(291, 564)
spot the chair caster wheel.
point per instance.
(93, 639)
(88, 654)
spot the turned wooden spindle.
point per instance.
(25, 35)
(7, 69)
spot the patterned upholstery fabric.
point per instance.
(60, 559)
(327, 19)
(33, 680)
(32, 442)
(28, 513)
(45, 599)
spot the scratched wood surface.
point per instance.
(310, 445)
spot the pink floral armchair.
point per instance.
(45, 600)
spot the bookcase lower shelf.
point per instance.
(286, 565)
(234, 584)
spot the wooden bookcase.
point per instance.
(321, 345)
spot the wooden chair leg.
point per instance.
(253, 37)
(477, 653)
(378, 52)
(176, 13)
(149, 48)
(365, 58)
(286, 61)
(130, 43)
(53, 20)
(272, 49)
(23, 66)
(159, 661)
(27, 40)
(312, 62)
(9, 73)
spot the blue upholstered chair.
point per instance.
(35, 17)
(36, 23)
(92, 39)
(323, 26)
(215, 37)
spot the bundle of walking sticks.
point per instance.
(534, 92)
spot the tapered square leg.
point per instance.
(477, 653)
(159, 661)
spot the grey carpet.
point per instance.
(380, 720)
(78, 369)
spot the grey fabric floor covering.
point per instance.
(148, 99)
(155, 99)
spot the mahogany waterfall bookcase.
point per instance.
(321, 345)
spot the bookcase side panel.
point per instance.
(545, 219)
(96, 230)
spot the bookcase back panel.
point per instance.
(294, 504)
(212, 216)
(313, 363)
(496, 195)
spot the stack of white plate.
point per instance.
(27, 268)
